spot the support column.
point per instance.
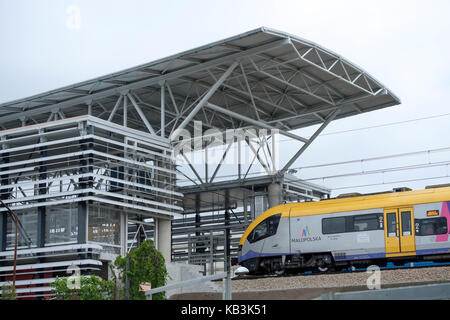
(86, 166)
(164, 234)
(163, 109)
(124, 232)
(42, 191)
(244, 204)
(274, 196)
(41, 211)
(4, 196)
(3, 230)
(82, 222)
(227, 264)
(197, 213)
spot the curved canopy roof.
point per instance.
(273, 77)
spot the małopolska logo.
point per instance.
(306, 236)
(306, 233)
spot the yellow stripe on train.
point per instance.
(384, 200)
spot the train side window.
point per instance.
(265, 229)
(406, 223)
(431, 226)
(334, 225)
(391, 223)
(365, 223)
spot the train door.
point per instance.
(399, 232)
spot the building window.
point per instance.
(61, 224)
(104, 225)
(27, 229)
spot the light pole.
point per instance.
(15, 242)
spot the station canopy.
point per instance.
(270, 77)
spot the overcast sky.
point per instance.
(403, 44)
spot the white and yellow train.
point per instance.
(358, 231)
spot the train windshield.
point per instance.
(265, 229)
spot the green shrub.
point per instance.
(9, 292)
(146, 265)
(91, 288)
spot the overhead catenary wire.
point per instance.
(377, 171)
(373, 127)
(378, 126)
(391, 182)
(351, 130)
(392, 156)
(383, 170)
(361, 160)
(364, 160)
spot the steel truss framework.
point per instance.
(263, 78)
(199, 236)
(119, 153)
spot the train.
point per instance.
(352, 230)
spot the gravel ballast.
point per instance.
(352, 279)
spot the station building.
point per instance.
(90, 172)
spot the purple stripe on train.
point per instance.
(445, 214)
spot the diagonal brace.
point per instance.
(205, 99)
(330, 118)
(141, 114)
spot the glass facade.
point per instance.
(61, 224)
(27, 229)
(103, 224)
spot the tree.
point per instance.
(9, 292)
(91, 288)
(146, 265)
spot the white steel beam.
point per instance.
(328, 70)
(259, 124)
(205, 99)
(116, 106)
(221, 161)
(330, 118)
(142, 115)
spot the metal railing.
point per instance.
(226, 287)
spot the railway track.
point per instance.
(411, 266)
